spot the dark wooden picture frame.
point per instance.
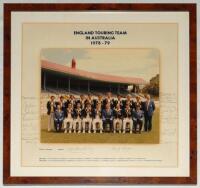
(8, 179)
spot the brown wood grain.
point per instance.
(8, 179)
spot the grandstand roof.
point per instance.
(90, 75)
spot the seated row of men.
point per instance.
(98, 114)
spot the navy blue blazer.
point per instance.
(117, 113)
(127, 113)
(120, 102)
(85, 112)
(125, 102)
(77, 113)
(67, 112)
(49, 107)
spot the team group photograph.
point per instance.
(85, 114)
(80, 105)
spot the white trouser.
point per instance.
(127, 120)
(77, 121)
(115, 122)
(87, 120)
(66, 121)
(95, 122)
(50, 121)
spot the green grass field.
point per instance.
(145, 137)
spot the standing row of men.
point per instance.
(100, 114)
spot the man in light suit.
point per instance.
(149, 108)
(51, 107)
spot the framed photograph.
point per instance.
(100, 94)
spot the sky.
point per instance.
(141, 63)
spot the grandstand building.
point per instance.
(72, 80)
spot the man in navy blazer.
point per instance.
(149, 108)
